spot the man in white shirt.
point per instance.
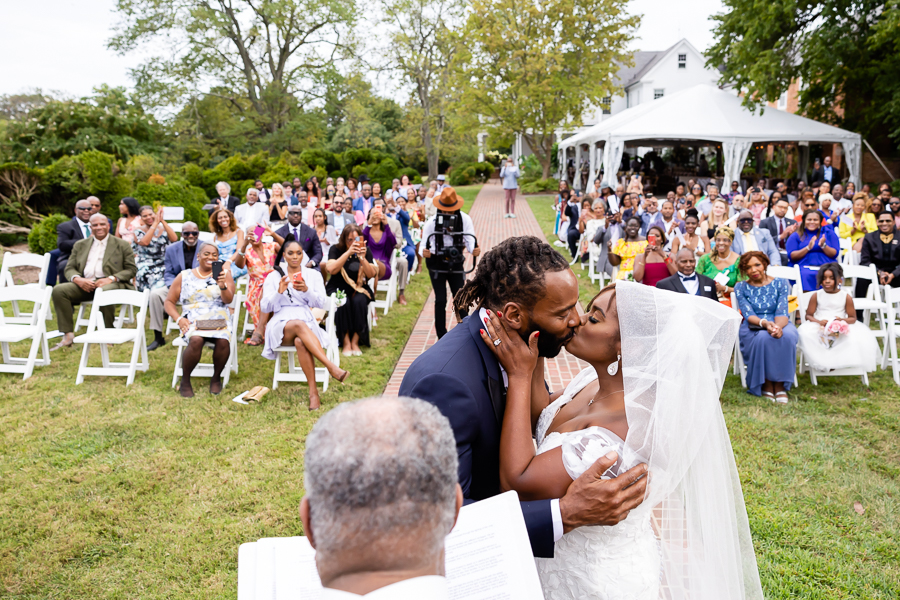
(252, 213)
(339, 218)
(441, 184)
(377, 511)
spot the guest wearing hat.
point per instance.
(441, 183)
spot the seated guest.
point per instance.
(338, 217)
(205, 316)
(858, 348)
(759, 205)
(290, 295)
(278, 205)
(882, 249)
(622, 253)
(228, 238)
(259, 257)
(692, 240)
(328, 199)
(895, 210)
(604, 233)
(650, 213)
(324, 232)
(876, 206)
(408, 248)
(721, 259)
(179, 256)
(857, 223)
(687, 280)
(389, 542)
(264, 194)
(653, 264)
(303, 233)
(749, 237)
(717, 217)
(767, 338)
(351, 265)
(312, 191)
(669, 221)
(224, 199)
(364, 202)
(812, 246)
(737, 204)
(69, 232)
(130, 219)
(810, 203)
(780, 225)
(100, 261)
(150, 242)
(253, 213)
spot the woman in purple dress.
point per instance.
(380, 240)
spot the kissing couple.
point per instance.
(626, 478)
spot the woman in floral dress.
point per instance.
(150, 249)
(258, 257)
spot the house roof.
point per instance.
(643, 62)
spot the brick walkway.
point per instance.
(490, 228)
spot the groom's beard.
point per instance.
(549, 346)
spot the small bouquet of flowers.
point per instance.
(834, 329)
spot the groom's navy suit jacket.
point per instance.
(461, 377)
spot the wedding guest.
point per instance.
(718, 216)
(179, 256)
(259, 258)
(780, 226)
(650, 213)
(623, 252)
(381, 241)
(895, 210)
(876, 206)
(405, 214)
(855, 225)
(388, 543)
(278, 205)
(312, 191)
(352, 190)
(758, 205)
(737, 204)
(224, 199)
(735, 190)
(303, 233)
(882, 249)
(653, 264)
(812, 246)
(687, 280)
(150, 242)
(68, 233)
(228, 238)
(324, 232)
(669, 220)
(130, 219)
(290, 295)
(204, 303)
(351, 265)
(340, 218)
(768, 340)
(749, 237)
(328, 200)
(253, 213)
(509, 175)
(265, 195)
(857, 348)
(692, 240)
(364, 202)
(721, 259)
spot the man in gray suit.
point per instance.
(749, 237)
(339, 218)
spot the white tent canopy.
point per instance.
(706, 113)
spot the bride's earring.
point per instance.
(613, 367)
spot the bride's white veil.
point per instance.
(675, 352)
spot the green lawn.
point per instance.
(803, 466)
(115, 492)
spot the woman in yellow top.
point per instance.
(623, 252)
(855, 225)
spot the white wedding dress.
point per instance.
(603, 563)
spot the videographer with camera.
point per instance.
(446, 237)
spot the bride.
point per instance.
(658, 362)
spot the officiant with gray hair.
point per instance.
(381, 496)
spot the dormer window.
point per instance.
(682, 61)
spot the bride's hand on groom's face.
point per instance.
(517, 357)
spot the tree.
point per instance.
(845, 52)
(529, 68)
(269, 57)
(423, 44)
(17, 106)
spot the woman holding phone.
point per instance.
(258, 257)
(653, 264)
(380, 240)
(290, 295)
(351, 265)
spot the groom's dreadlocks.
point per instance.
(512, 271)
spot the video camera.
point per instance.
(449, 258)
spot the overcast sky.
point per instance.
(61, 44)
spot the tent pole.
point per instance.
(878, 158)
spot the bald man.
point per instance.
(687, 280)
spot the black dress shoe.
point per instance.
(155, 344)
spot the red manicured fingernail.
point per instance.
(487, 310)
(482, 331)
(537, 334)
(500, 314)
(485, 321)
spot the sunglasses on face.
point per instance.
(745, 220)
(83, 208)
(190, 233)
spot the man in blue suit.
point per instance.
(179, 257)
(749, 237)
(531, 284)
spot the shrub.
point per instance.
(156, 179)
(91, 173)
(413, 175)
(321, 158)
(540, 185)
(468, 173)
(43, 235)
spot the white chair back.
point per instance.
(33, 327)
(24, 259)
(20, 293)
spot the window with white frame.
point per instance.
(606, 104)
(658, 93)
(682, 61)
(782, 101)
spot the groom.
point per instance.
(532, 285)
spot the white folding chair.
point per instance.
(294, 372)
(98, 334)
(35, 330)
(206, 369)
(83, 318)
(792, 274)
(815, 374)
(24, 259)
(173, 216)
(389, 286)
(871, 303)
(891, 353)
(739, 368)
(848, 255)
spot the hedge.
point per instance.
(468, 173)
(42, 237)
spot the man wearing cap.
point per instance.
(449, 205)
(441, 183)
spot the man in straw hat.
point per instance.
(449, 217)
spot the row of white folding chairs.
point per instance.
(23, 259)
(20, 330)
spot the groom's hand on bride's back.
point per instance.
(594, 501)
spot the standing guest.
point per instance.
(767, 338)
(69, 232)
(669, 221)
(352, 191)
(441, 184)
(380, 240)
(895, 210)
(608, 229)
(324, 232)
(180, 256)
(351, 265)
(312, 191)
(509, 175)
(780, 226)
(290, 295)
(130, 219)
(858, 348)
(365, 201)
(404, 185)
(99, 261)
(304, 234)
(95, 204)
(340, 218)
(758, 205)
(404, 208)
(572, 213)
(150, 242)
(278, 205)
(855, 225)
(697, 243)
(228, 237)
(622, 253)
(224, 198)
(687, 280)
(202, 299)
(376, 190)
(259, 258)
(264, 194)
(253, 213)
(750, 237)
(735, 190)
(721, 259)
(812, 246)
(654, 264)
(718, 216)
(882, 249)
(650, 214)
(826, 173)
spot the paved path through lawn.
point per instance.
(490, 228)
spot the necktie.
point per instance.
(780, 231)
(296, 235)
(87, 231)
